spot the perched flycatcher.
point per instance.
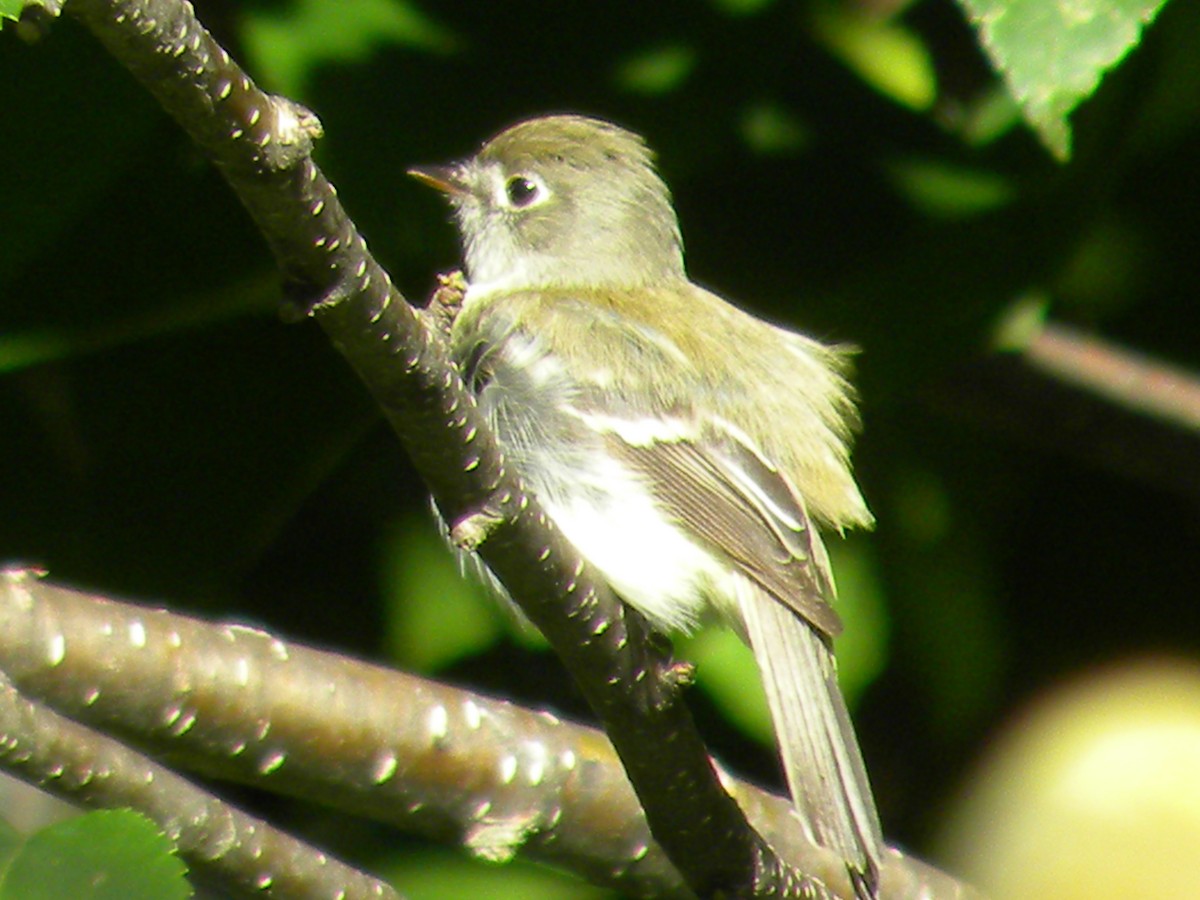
(686, 448)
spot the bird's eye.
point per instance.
(521, 191)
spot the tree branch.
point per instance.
(240, 704)
(1082, 396)
(260, 144)
(235, 851)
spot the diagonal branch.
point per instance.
(1082, 396)
(260, 143)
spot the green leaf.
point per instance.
(105, 855)
(945, 191)
(886, 55)
(657, 71)
(439, 873)
(11, 9)
(741, 7)
(1021, 323)
(946, 575)
(10, 841)
(991, 115)
(862, 649)
(436, 615)
(284, 45)
(1053, 53)
(772, 130)
(725, 670)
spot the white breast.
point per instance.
(602, 507)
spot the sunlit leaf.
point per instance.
(105, 855)
(286, 43)
(10, 841)
(862, 649)
(1053, 53)
(886, 55)
(11, 9)
(725, 670)
(436, 874)
(1021, 323)
(436, 616)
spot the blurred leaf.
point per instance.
(285, 44)
(725, 670)
(105, 855)
(436, 615)
(992, 115)
(923, 511)
(1021, 323)
(656, 71)
(11, 9)
(445, 875)
(741, 7)
(862, 649)
(946, 191)
(772, 130)
(946, 579)
(10, 840)
(1106, 270)
(1053, 54)
(886, 55)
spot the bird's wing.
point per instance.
(721, 490)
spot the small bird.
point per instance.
(687, 449)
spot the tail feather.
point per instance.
(821, 759)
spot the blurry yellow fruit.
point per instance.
(1092, 793)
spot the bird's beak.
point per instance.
(447, 179)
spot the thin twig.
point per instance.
(1133, 380)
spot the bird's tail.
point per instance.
(820, 754)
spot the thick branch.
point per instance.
(238, 703)
(235, 851)
(241, 855)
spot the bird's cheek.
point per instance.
(544, 234)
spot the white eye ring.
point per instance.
(524, 191)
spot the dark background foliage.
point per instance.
(164, 437)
